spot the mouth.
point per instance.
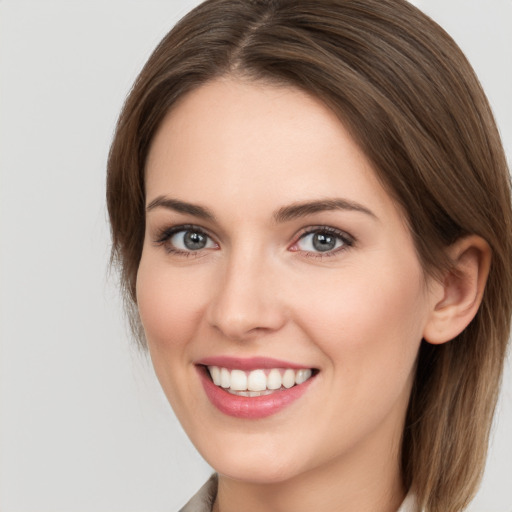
(253, 388)
(259, 382)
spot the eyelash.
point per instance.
(164, 236)
(347, 241)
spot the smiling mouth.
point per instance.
(259, 382)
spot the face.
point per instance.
(275, 264)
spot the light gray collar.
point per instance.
(203, 500)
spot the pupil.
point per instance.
(194, 241)
(323, 242)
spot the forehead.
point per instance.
(259, 143)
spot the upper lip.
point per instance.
(248, 364)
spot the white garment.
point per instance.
(203, 500)
(409, 504)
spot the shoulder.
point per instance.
(203, 500)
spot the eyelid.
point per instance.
(163, 234)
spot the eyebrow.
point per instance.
(181, 207)
(284, 214)
(297, 210)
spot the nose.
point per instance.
(246, 302)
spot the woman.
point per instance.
(310, 207)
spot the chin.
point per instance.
(257, 472)
(256, 466)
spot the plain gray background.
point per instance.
(84, 426)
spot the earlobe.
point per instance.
(461, 290)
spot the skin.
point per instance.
(245, 150)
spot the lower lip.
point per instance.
(250, 407)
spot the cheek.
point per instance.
(367, 321)
(169, 305)
(369, 325)
(170, 311)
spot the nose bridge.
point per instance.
(245, 301)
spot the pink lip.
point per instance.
(250, 407)
(248, 364)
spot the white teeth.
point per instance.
(274, 380)
(238, 380)
(302, 376)
(225, 378)
(250, 393)
(289, 378)
(258, 382)
(215, 373)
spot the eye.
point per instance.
(323, 240)
(190, 240)
(185, 240)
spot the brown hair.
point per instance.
(414, 105)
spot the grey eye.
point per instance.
(194, 241)
(324, 242)
(320, 241)
(190, 240)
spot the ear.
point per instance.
(459, 295)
